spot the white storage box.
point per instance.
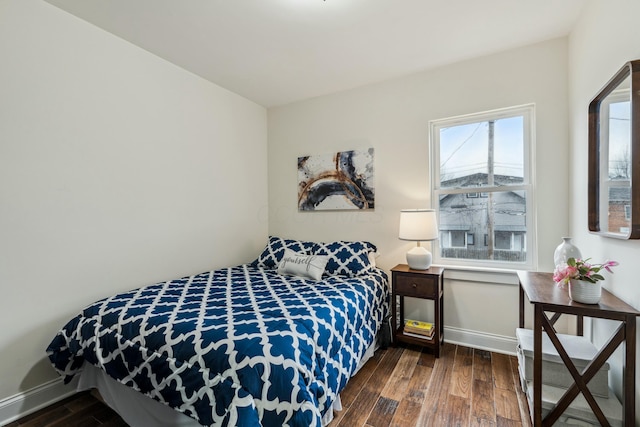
(579, 413)
(554, 372)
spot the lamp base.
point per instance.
(419, 258)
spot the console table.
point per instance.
(545, 296)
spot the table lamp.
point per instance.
(418, 225)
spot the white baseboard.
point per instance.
(17, 406)
(481, 340)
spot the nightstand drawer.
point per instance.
(416, 286)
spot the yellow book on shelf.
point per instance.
(418, 325)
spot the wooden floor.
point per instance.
(79, 410)
(397, 387)
(408, 387)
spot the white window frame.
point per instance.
(528, 114)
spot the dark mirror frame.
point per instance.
(630, 69)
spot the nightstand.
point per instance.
(424, 284)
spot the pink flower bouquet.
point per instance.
(579, 269)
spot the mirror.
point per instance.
(614, 151)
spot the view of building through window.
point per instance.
(481, 185)
(616, 184)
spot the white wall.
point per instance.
(393, 118)
(117, 169)
(606, 37)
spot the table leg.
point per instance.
(394, 326)
(537, 365)
(629, 368)
(521, 322)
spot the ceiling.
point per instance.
(275, 52)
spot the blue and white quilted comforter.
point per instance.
(236, 346)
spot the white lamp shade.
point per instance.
(418, 225)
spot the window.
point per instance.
(488, 154)
(457, 239)
(615, 179)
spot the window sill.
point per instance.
(499, 276)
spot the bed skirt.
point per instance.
(139, 410)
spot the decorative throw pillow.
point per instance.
(302, 265)
(347, 258)
(274, 251)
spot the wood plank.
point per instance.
(408, 410)
(82, 418)
(397, 385)
(523, 404)
(105, 414)
(458, 410)
(419, 384)
(482, 365)
(504, 422)
(427, 359)
(382, 412)
(480, 422)
(407, 413)
(482, 403)
(506, 404)
(43, 417)
(501, 368)
(116, 422)
(359, 410)
(432, 410)
(462, 372)
(81, 402)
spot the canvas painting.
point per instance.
(337, 181)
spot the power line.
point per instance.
(461, 144)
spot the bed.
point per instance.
(262, 344)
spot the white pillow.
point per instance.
(372, 258)
(301, 265)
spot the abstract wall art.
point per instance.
(337, 181)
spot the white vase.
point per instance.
(585, 292)
(564, 251)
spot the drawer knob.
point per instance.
(414, 285)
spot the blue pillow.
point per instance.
(347, 258)
(274, 251)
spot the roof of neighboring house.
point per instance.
(619, 194)
(479, 180)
